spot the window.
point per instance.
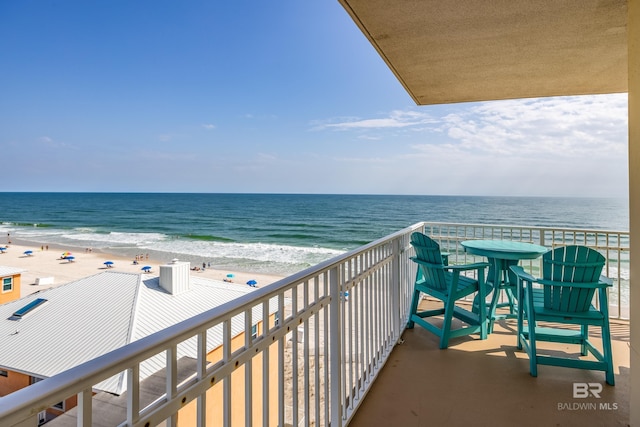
(254, 332)
(7, 284)
(276, 318)
(4, 373)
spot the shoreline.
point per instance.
(48, 263)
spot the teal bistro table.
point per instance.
(502, 254)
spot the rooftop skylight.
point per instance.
(19, 314)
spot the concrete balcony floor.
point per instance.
(487, 383)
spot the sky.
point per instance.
(267, 97)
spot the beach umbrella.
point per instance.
(65, 254)
(230, 275)
(108, 263)
(146, 268)
(252, 282)
(28, 253)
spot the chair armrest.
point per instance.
(519, 271)
(426, 264)
(464, 267)
(606, 280)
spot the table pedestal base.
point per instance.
(502, 279)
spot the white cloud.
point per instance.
(546, 146)
(570, 127)
(395, 119)
(208, 126)
(563, 126)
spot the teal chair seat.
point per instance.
(444, 282)
(563, 297)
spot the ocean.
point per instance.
(270, 233)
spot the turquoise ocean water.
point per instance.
(269, 233)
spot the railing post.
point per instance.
(172, 380)
(85, 408)
(395, 287)
(133, 394)
(335, 351)
(201, 371)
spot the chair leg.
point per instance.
(482, 309)
(521, 307)
(446, 323)
(414, 308)
(584, 331)
(607, 353)
(608, 358)
(533, 348)
(533, 356)
(606, 338)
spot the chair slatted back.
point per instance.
(571, 264)
(428, 251)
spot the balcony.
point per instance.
(330, 355)
(476, 383)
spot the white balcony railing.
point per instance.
(335, 327)
(614, 245)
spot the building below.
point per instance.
(10, 278)
(59, 328)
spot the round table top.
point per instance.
(503, 249)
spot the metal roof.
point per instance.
(10, 271)
(97, 314)
(473, 50)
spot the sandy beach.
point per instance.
(45, 262)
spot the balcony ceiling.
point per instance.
(466, 50)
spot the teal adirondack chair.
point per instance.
(564, 295)
(444, 282)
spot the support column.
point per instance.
(633, 31)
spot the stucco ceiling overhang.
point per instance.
(464, 50)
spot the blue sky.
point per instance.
(275, 97)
